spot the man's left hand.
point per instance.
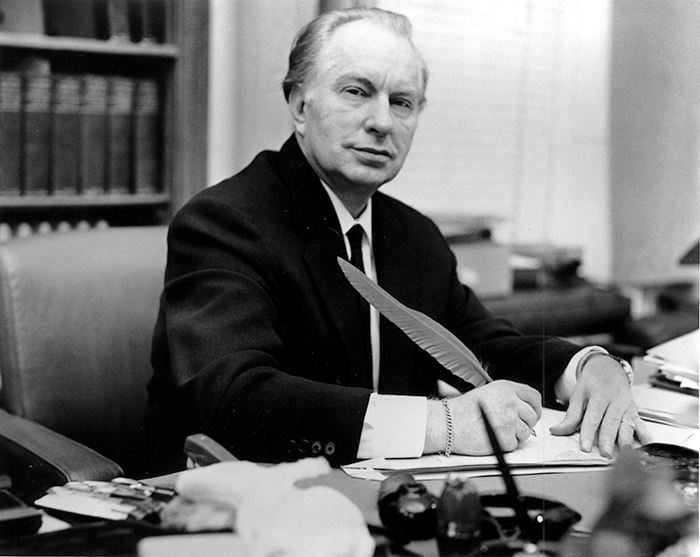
(601, 405)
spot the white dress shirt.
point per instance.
(395, 425)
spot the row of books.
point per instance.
(79, 135)
(122, 20)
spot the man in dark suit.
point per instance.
(263, 344)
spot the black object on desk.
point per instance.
(114, 538)
(407, 510)
(16, 517)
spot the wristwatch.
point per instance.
(627, 368)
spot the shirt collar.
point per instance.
(347, 221)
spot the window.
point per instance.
(487, 139)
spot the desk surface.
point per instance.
(585, 492)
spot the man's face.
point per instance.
(356, 117)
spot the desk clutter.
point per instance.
(225, 506)
(243, 508)
(675, 364)
(667, 389)
(255, 510)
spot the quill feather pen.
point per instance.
(427, 333)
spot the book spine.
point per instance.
(10, 133)
(73, 18)
(93, 135)
(146, 137)
(119, 115)
(154, 21)
(36, 111)
(120, 14)
(65, 151)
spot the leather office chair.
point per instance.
(77, 311)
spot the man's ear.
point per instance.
(297, 106)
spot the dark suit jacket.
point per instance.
(257, 341)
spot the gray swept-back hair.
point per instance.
(313, 37)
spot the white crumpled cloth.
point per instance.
(276, 518)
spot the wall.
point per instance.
(250, 41)
(655, 147)
(580, 213)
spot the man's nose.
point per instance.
(379, 120)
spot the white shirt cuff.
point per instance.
(566, 383)
(394, 427)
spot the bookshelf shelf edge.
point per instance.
(22, 202)
(93, 46)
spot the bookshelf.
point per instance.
(176, 65)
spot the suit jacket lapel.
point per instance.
(316, 221)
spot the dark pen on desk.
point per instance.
(524, 521)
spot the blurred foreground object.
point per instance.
(646, 513)
(268, 512)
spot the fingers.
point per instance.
(625, 434)
(522, 432)
(605, 424)
(531, 396)
(640, 429)
(528, 415)
(619, 422)
(572, 419)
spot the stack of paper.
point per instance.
(676, 363)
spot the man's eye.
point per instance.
(355, 91)
(402, 103)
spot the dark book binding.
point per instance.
(10, 133)
(93, 135)
(36, 110)
(147, 21)
(72, 18)
(119, 115)
(65, 147)
(154, 21)
(146, 136)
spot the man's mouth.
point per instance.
(374, 152)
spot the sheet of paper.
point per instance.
(85, 506)
(681, 436)
(680, 353)
(375, 475)
(665, 406)
(541, 451)
(545, 453)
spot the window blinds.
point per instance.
(487, 138)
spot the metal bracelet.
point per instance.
(448, 417)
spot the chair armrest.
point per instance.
(36, 457)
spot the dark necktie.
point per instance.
(355, 236)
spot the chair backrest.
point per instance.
(77, 311)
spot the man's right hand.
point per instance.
(513, 409)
